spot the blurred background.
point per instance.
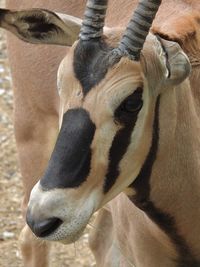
(11, 192)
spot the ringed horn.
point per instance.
(93, 22)
(136, 32)
(138, 28)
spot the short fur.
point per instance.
(174, 180)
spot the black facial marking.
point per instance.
(122, 139)
(91, 63)
(142, 200)
(141, 183)
(69, 165)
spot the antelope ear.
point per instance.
(177, 63)
(40, 26)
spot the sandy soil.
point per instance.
(11, 191)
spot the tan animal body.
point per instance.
(124, 124)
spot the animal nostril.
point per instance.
(45, 228)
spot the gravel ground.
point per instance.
(11, 191)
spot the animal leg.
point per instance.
(34, 251)
(33, 156)
(36, 125)
(102, 241)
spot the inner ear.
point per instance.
(176, 62)
(40, 26)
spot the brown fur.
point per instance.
(176, 171)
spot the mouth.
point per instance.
(164, 54)
(64, 235)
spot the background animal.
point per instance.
(180, 34)
(31, 149)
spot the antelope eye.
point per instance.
(133, 103)
(127, 112)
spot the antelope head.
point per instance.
(109, 83)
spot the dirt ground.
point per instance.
(11, 191)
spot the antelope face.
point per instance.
(89, 165)
(106, 124)
(109, 95)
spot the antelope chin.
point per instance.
(66, 233)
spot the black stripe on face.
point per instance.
(141, 183)
(69, 165)
(122, 139)
(91, 63)
(142, 200)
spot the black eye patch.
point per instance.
(129, 108)
(126, 114)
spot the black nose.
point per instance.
(43, 228)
